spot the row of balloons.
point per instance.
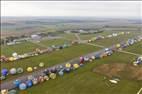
(37, 51)
(13, 71)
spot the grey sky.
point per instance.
(72, 8)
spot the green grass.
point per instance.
(51, 59)
(136, 48)
(29, 47)
(19, 48)
(69, 36)
(84, 81)
(89, 36)
(53, 42)
(114, 40)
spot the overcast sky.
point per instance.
(72, 8)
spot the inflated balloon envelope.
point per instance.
(22, 86)
(2, 77)
(61, 73)
(4, 91)
(20, 70)
(67, 70)
(17, 82)
(4, 72)
(68, 65)
(41, 64)
(52, 76)
(75, 66)
(12, 92)
(29, 83)
(46, 78)
(13, 71)
(35, 81)
(29, 69)
(118, 45)
(11, 58)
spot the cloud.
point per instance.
(72, 8)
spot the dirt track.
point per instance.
(120, 70)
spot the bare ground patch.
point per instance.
(120, 70)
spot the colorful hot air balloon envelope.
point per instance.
(118, 45)
(46, 78)
(20, 70)
(35, 81)
(11, 58)
(29, 83)
(41, 79)
(12, 92)
(13, 71)
(41, 64)
(22, 86)
(68, 65)
(81, 60)
(61, 73)
(4, 91)
(4, 72)
(46, 71)
(75, 66)
(53, 70)
(67, 70)
(14, 54)
(2, 77)
(17, 83)
(30, 77)
(52, 75)
(35, 68)
(93, 57)
(29, 69)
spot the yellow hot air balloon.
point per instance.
(29, 69)
(11, 59)
(4, 91)
(68, 65)
(118, 45)
(75, 66)
(41, 64)
(52, 75)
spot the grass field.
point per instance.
(51, 59)
(137, 48)
(84, 81)
(29, 46)
(54, 42)
(68, 36)
(19, 48)
(110, 41)
(89, 36)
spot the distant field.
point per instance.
(54, 42)
(68, 36)
(53, 58)
(89, 36)
(19, 48)
(110, 41)
(29, 46)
